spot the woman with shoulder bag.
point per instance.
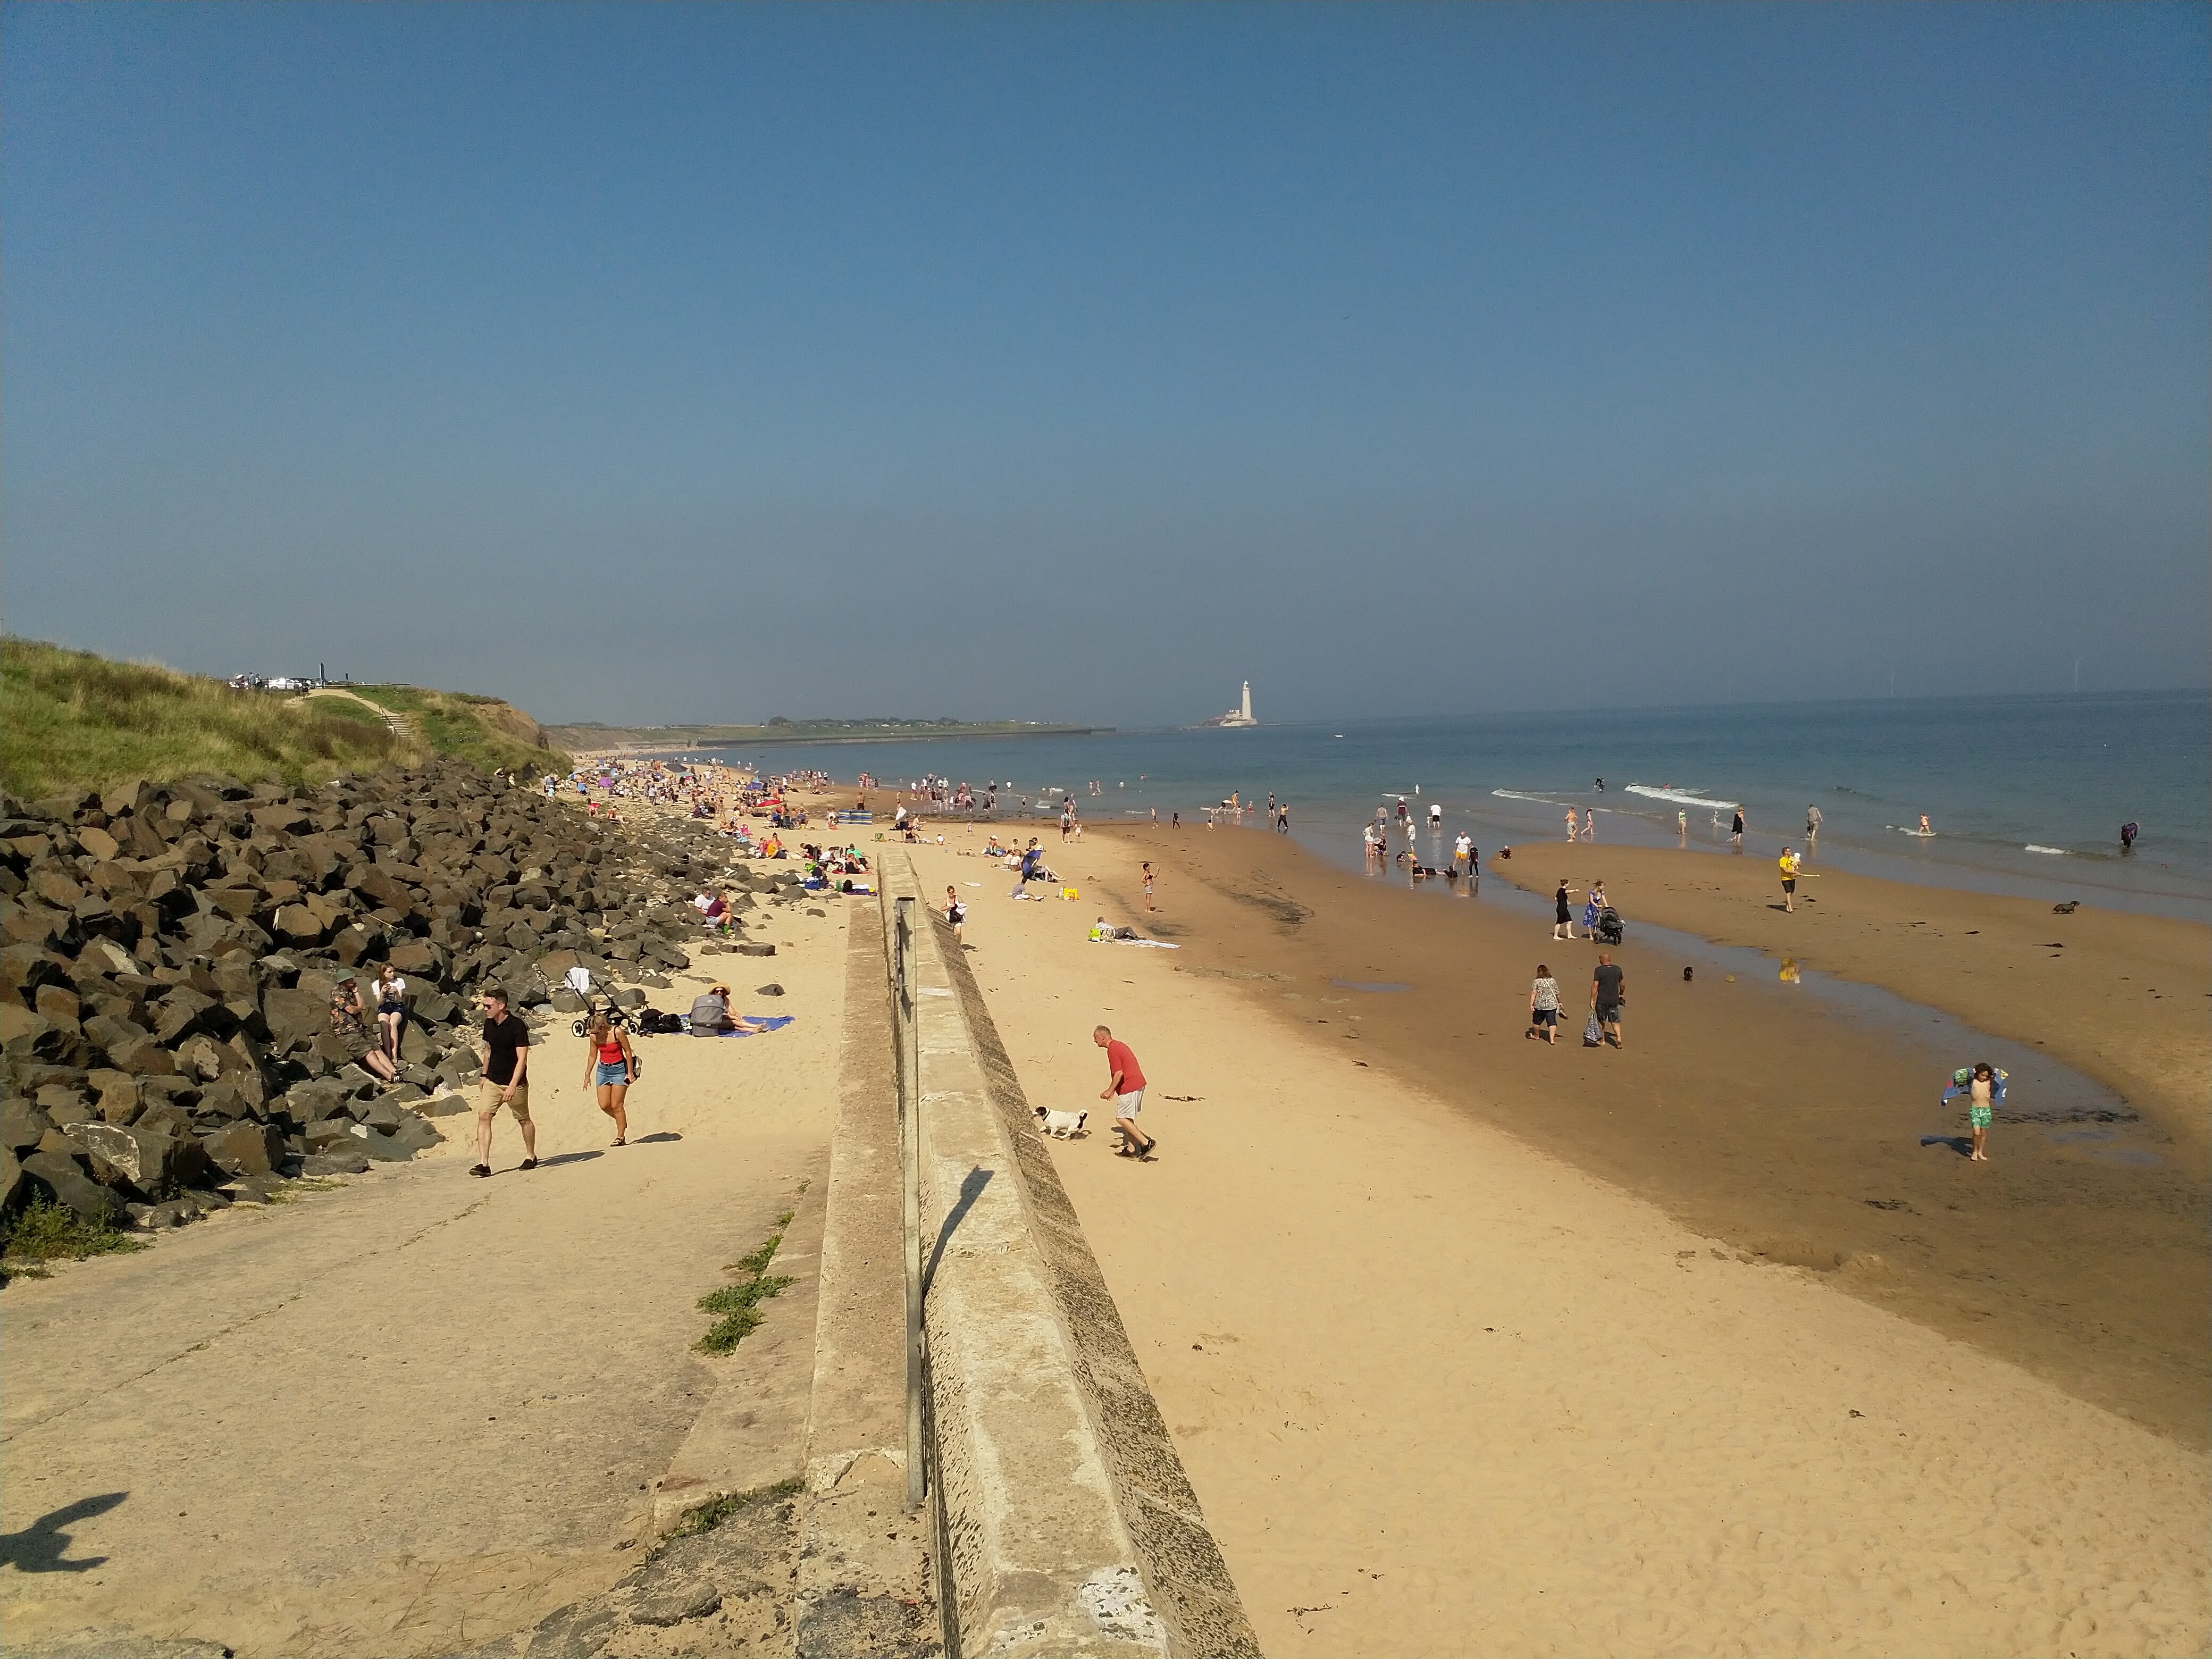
(610, 1065)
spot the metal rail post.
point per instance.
(903, 990)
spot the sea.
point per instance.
(2023, 794)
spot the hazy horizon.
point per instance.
(659, 365)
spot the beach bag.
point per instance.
(1592, 1033)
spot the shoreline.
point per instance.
(2146, 1044)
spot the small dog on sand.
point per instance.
(1061, 1126)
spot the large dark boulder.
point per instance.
(61, 1179)
(182, 1012)
(21, 1124)
(294, 1017)
(418, 957)
(150, 1165)
(296, 924)
(244, 1148)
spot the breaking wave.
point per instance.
(1685, 796)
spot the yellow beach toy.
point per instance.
(1068, 893)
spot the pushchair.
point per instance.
(580, 981)
(1609, 928)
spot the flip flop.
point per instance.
(479, 1169)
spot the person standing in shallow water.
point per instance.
(1983, 1086)
(1735, 830)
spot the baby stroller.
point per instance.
(1609, 928)
(580, 982)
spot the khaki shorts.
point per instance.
(488, 1100)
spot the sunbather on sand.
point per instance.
(711, 1013)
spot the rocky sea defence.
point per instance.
(168, 953)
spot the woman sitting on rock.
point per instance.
(390, 1009)
(353, 1037)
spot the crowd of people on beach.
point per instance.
(730, 797)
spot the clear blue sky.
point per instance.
(659, 362)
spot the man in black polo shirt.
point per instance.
(505, 1052)
(1607, 987)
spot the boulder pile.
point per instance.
(168, 953)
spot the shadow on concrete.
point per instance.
(559, 1158)
(655, 1140)
(970, 1190)
(43, 1547)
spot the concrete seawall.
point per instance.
(1069, 1523)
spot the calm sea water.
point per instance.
(1997, 776)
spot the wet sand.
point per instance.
(2120, 997)
(1755, 1117)
(1442, 1391)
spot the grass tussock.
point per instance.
(45, 1231)
(737, 1307)
(468, 727)
(706, 1516)
(78, 721)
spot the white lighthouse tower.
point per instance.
(1242, 714)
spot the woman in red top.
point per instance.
(610, 1064)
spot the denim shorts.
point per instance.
(613, 1070)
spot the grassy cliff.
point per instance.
(70, 719)
(482, 730)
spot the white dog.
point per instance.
(1061, 1126)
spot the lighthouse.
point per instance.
(1242, 714)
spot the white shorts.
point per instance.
(1129, 1105)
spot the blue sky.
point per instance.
(658, 363)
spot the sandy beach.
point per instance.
(1473, 1346)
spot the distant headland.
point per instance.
(589, 737)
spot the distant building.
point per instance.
(1240, 715)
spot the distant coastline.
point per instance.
(656, 740)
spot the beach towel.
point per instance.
(766, 1023)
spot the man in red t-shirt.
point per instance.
(1126, 1091)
